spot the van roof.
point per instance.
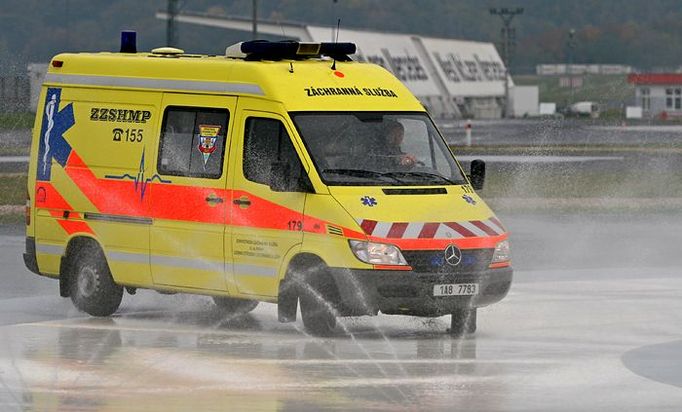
(313, 84)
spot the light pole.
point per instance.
(571, 49)
(172, 11)
(508, 43)
(334, 16)
(254, 26)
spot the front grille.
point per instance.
(433, 261)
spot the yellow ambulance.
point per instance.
(281, 172)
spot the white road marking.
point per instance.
(538, 159)
(14, 159)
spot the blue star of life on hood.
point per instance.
(368, 201)
(469, 199)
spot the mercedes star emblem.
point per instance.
(453, 255)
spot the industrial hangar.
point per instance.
(452, 78)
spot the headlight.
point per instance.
(502, 252)
(377, 253)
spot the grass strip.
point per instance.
(15, 151)
(586, 205)
(13, 121)
(541, 181)
(572, 149)
(13, 189)
(12, 219)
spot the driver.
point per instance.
(394, 134)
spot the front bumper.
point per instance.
(365, 292)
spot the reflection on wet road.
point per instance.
(601, 337)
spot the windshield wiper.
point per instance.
(427, 175)
(362, 173)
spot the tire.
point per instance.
(463, 321)
(318, 319)
(91, 286)
(234, 306)
(317, 308)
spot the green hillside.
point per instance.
(644, 34)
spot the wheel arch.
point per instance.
(299, 272)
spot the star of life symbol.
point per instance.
(52, 143)
(469, 199)
(49, 112)
(368, 201)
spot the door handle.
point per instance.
(214, 199)
(242, 202)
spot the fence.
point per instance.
(15, 94)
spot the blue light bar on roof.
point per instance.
(128, 41)
(267, 50)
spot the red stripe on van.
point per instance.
(368, 226)
(460, 229)
(75, 226)
(161, 201)
(488, 231)
(497, 222)
(440, 244)
(47, 197)
(397, 230)
(429, 230)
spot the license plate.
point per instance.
(456, 289)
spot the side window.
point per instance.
(267, 141)
(193, 142)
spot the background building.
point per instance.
(452, 78)
(563, 69)
(658, 94)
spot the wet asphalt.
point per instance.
(592, 322)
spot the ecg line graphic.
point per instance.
(140, 180)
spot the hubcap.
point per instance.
(87, 282)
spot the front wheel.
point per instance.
(92, 288)
(463, 321)
(316, 296)
(318, 318)
(235, 306)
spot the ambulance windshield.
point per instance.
(377, 148)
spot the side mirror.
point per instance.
(283, 180)
(477, 175)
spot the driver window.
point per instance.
(266, 141)
(416, 136)
(419, 141)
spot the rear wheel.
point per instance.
(463, 321)
(235, 306)
(91, 286)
